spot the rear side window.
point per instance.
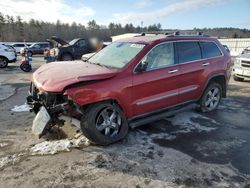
(210, 49)
(188, 51)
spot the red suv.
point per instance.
(129, 83)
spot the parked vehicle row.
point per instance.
(129, 83)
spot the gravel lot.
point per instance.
(189, 149)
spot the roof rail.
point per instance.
(177, 33)
(174, 34)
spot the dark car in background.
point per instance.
(38, 48)
(67, 51)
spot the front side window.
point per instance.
(81, 43)
(117, 54)
(188, 51)
(160, 56)
(210, 49)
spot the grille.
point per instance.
(245, 64)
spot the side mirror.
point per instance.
(142, 66)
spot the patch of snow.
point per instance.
(184, 120)
(21, 108)
(53, 147)
(3, 144)
(10, 159)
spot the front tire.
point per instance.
(104, 123)
(3, 62)
(236, 78)
(211, 98)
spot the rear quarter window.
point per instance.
(210, 50)
(188, 51)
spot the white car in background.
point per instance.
(19, 46)
(241, 68)
(6, 56)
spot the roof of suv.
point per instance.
(150, 39)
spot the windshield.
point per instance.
(73, 41)
(117, 54)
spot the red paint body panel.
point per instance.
(136, 93)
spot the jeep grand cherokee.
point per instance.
(130, 82)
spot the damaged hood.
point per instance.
(54, 77)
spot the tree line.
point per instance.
(18, 30)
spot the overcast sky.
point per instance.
(175, 14)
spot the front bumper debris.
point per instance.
(41, 122)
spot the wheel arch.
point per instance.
(66, 52)
(4, 58)
(111, 101)
(218, 78)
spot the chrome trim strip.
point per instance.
(188, 90)
(157, 99)
(166, 96)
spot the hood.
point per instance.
(245, 56)
(59, 40)
(54, 77)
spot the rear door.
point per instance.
(156, 87)
(194, 70)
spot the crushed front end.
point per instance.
(49, 107)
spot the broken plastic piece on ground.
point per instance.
(40, 122)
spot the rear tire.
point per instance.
(104, 123)
(3, 62)
(238, 79)
(210, 98)
(67, 57)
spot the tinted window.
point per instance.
(160, 56)
(188, 51)
(81, 43)
(210, 49)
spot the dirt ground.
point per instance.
(189, 149)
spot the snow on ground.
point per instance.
(21, 108)
(190, 121)
(10, 159)
(53, 147)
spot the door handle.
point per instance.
(172, 71)
(205, 64)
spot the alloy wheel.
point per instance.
(108, 122)
(3, 62)
(212, 98)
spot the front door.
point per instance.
(157, 86)
(80, 48)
